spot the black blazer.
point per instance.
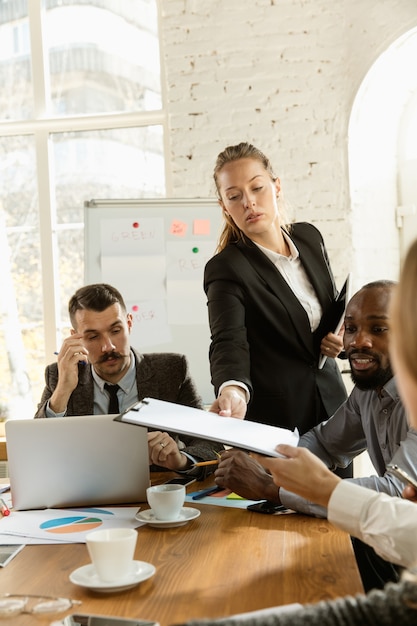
(261, 333)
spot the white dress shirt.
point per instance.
(293, 272)
(386, 523)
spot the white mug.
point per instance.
(111, 551)
(166, 501)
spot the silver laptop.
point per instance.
(76, 461)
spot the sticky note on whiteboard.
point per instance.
(178, 228)
(201, 227)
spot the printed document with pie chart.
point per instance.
(65, 525)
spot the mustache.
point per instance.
(361, 353)
(111, 355)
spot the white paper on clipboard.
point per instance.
(343, 297)
(185, 420)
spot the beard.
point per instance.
(376, 380)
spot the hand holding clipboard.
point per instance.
(337, 314)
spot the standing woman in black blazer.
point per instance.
(268, 289)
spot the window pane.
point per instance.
(16, 101)
(117, 163)
(18, 190)
(71, 271)
(21, 321)
(103, 59)
(108, 164)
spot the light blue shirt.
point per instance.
(127, 394)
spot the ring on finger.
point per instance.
(162, 445)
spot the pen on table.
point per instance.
(4, 508)
(207, 492)
(203, 463)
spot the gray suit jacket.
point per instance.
(163, 376)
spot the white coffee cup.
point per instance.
(166, 501)
(111, 551)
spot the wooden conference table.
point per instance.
(226, 561)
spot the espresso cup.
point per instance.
(166, 501)
(111, 551)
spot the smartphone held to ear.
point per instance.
(104, 620)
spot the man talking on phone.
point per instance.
(98, 372)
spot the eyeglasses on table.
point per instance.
(14, 603)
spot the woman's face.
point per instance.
(249, 196)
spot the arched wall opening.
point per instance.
(383, 116)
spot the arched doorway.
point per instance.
(382, 146)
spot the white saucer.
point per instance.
(186, 515)
(86, 576)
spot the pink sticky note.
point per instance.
(178, 228)
(201, 227)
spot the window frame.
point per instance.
(41, 127)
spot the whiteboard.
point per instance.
(154, 252)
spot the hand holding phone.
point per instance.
(402, 475)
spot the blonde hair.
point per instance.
(231, 233)
(403, 309)
(404, 312)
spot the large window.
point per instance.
(80, 118)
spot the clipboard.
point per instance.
(185, 420)
(334, 320)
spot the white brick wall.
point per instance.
(282, 74)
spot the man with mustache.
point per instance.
(373, 418)
(97, 359)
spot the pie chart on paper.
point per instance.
(73, 524)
